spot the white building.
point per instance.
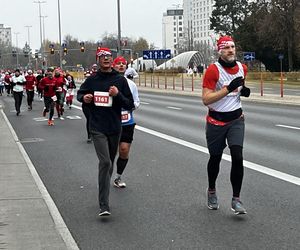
(5, 35)
(172, 29)
(197, 15)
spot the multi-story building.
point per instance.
(197, 15)
(172, 29)
(5, 35)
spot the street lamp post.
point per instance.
(44, 39)
(59, 30)
(28, 33)
(17, 54)
(119, 29)
(41, 36)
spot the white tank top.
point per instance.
(232, 101)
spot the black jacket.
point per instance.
(106, 120)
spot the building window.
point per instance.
(175, 29)
(180, 28)
(180, 17)
(180, 23)
(174, 34)
(174, 40)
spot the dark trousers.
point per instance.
(30, 95)
(18, 100)
(86, 113)
(49, 105)
(8, 89)
(106, 148)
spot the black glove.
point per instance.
(245, 91)
(46, 89)
(235, 83)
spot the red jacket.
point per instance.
(48, 85)
(30, 82)
(7, 79)
(60, 83)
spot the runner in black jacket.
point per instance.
(105, 94)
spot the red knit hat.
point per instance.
(224, 41)
(119, 59)
(103, 52)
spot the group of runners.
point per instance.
(54, 86)
(109, 98)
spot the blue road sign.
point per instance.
(280, 56)
(249, 56)
(157, 54)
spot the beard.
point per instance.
(229, 58)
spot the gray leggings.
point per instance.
(106, 147)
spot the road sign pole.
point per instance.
(261, 85)
(281, 79)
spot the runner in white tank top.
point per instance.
(223, 84)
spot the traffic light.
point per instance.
(82, 46)
(14, 53)
(65, 51)
(51, 46)
(36, 55)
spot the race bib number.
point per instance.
(125, 116)
(102, 99)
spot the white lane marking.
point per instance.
(248, 164)
(170, 107)
(286, 126)
(76, 107)
(40, 119)
(60, 225)
(145, 103)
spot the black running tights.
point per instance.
(237, 169)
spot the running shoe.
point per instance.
(61, 118)
(212, 200)
(50, 123)
(119, 183)
(104, 212)
(237, 206)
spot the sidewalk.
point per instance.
(29, 218)
(254, 97)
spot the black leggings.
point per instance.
(237, 169)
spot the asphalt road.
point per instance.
(164, 204)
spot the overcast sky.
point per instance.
(85, 19)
